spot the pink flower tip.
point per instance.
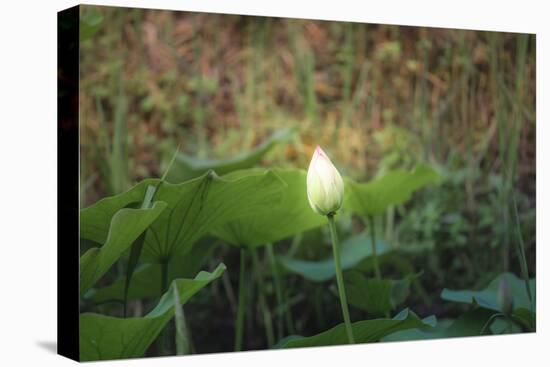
(320, 151)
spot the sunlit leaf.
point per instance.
(274, 222)
(193, 208)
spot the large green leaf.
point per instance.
(366, 331)
(193, 208)
(376, 296)
(353, 251)
(275, 222)
(105, 337)
(125, 227)
(487, 297)
(394, 188)
(146, 279)
(187, 167)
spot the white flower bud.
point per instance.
(325, 187)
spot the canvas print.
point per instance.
(254, 183)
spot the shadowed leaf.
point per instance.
(376, 296)
(470, 323)
(366, 331)
(394, 188)
(187, 167)
(487, 297)
(353, 251)
(105, 337)
(147, 276)
(125, 227)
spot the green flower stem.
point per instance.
(373, 244)
(239, 327)
(339, 277)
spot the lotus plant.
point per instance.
(325, 193)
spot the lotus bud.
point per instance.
(325, 187)
(504, 298)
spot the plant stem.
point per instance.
(377, 272)
(317, 305)
(125, 304)
(182, 337)
(509, 325)
(489, 322)
(278, 291)
(163, 285)
(373, 244)
(137, 246)
(242, 302)
(266, 313)
(163, 277)
(339, 277)
(520, 248)
(288, 314)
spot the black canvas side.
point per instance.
(68, 252)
